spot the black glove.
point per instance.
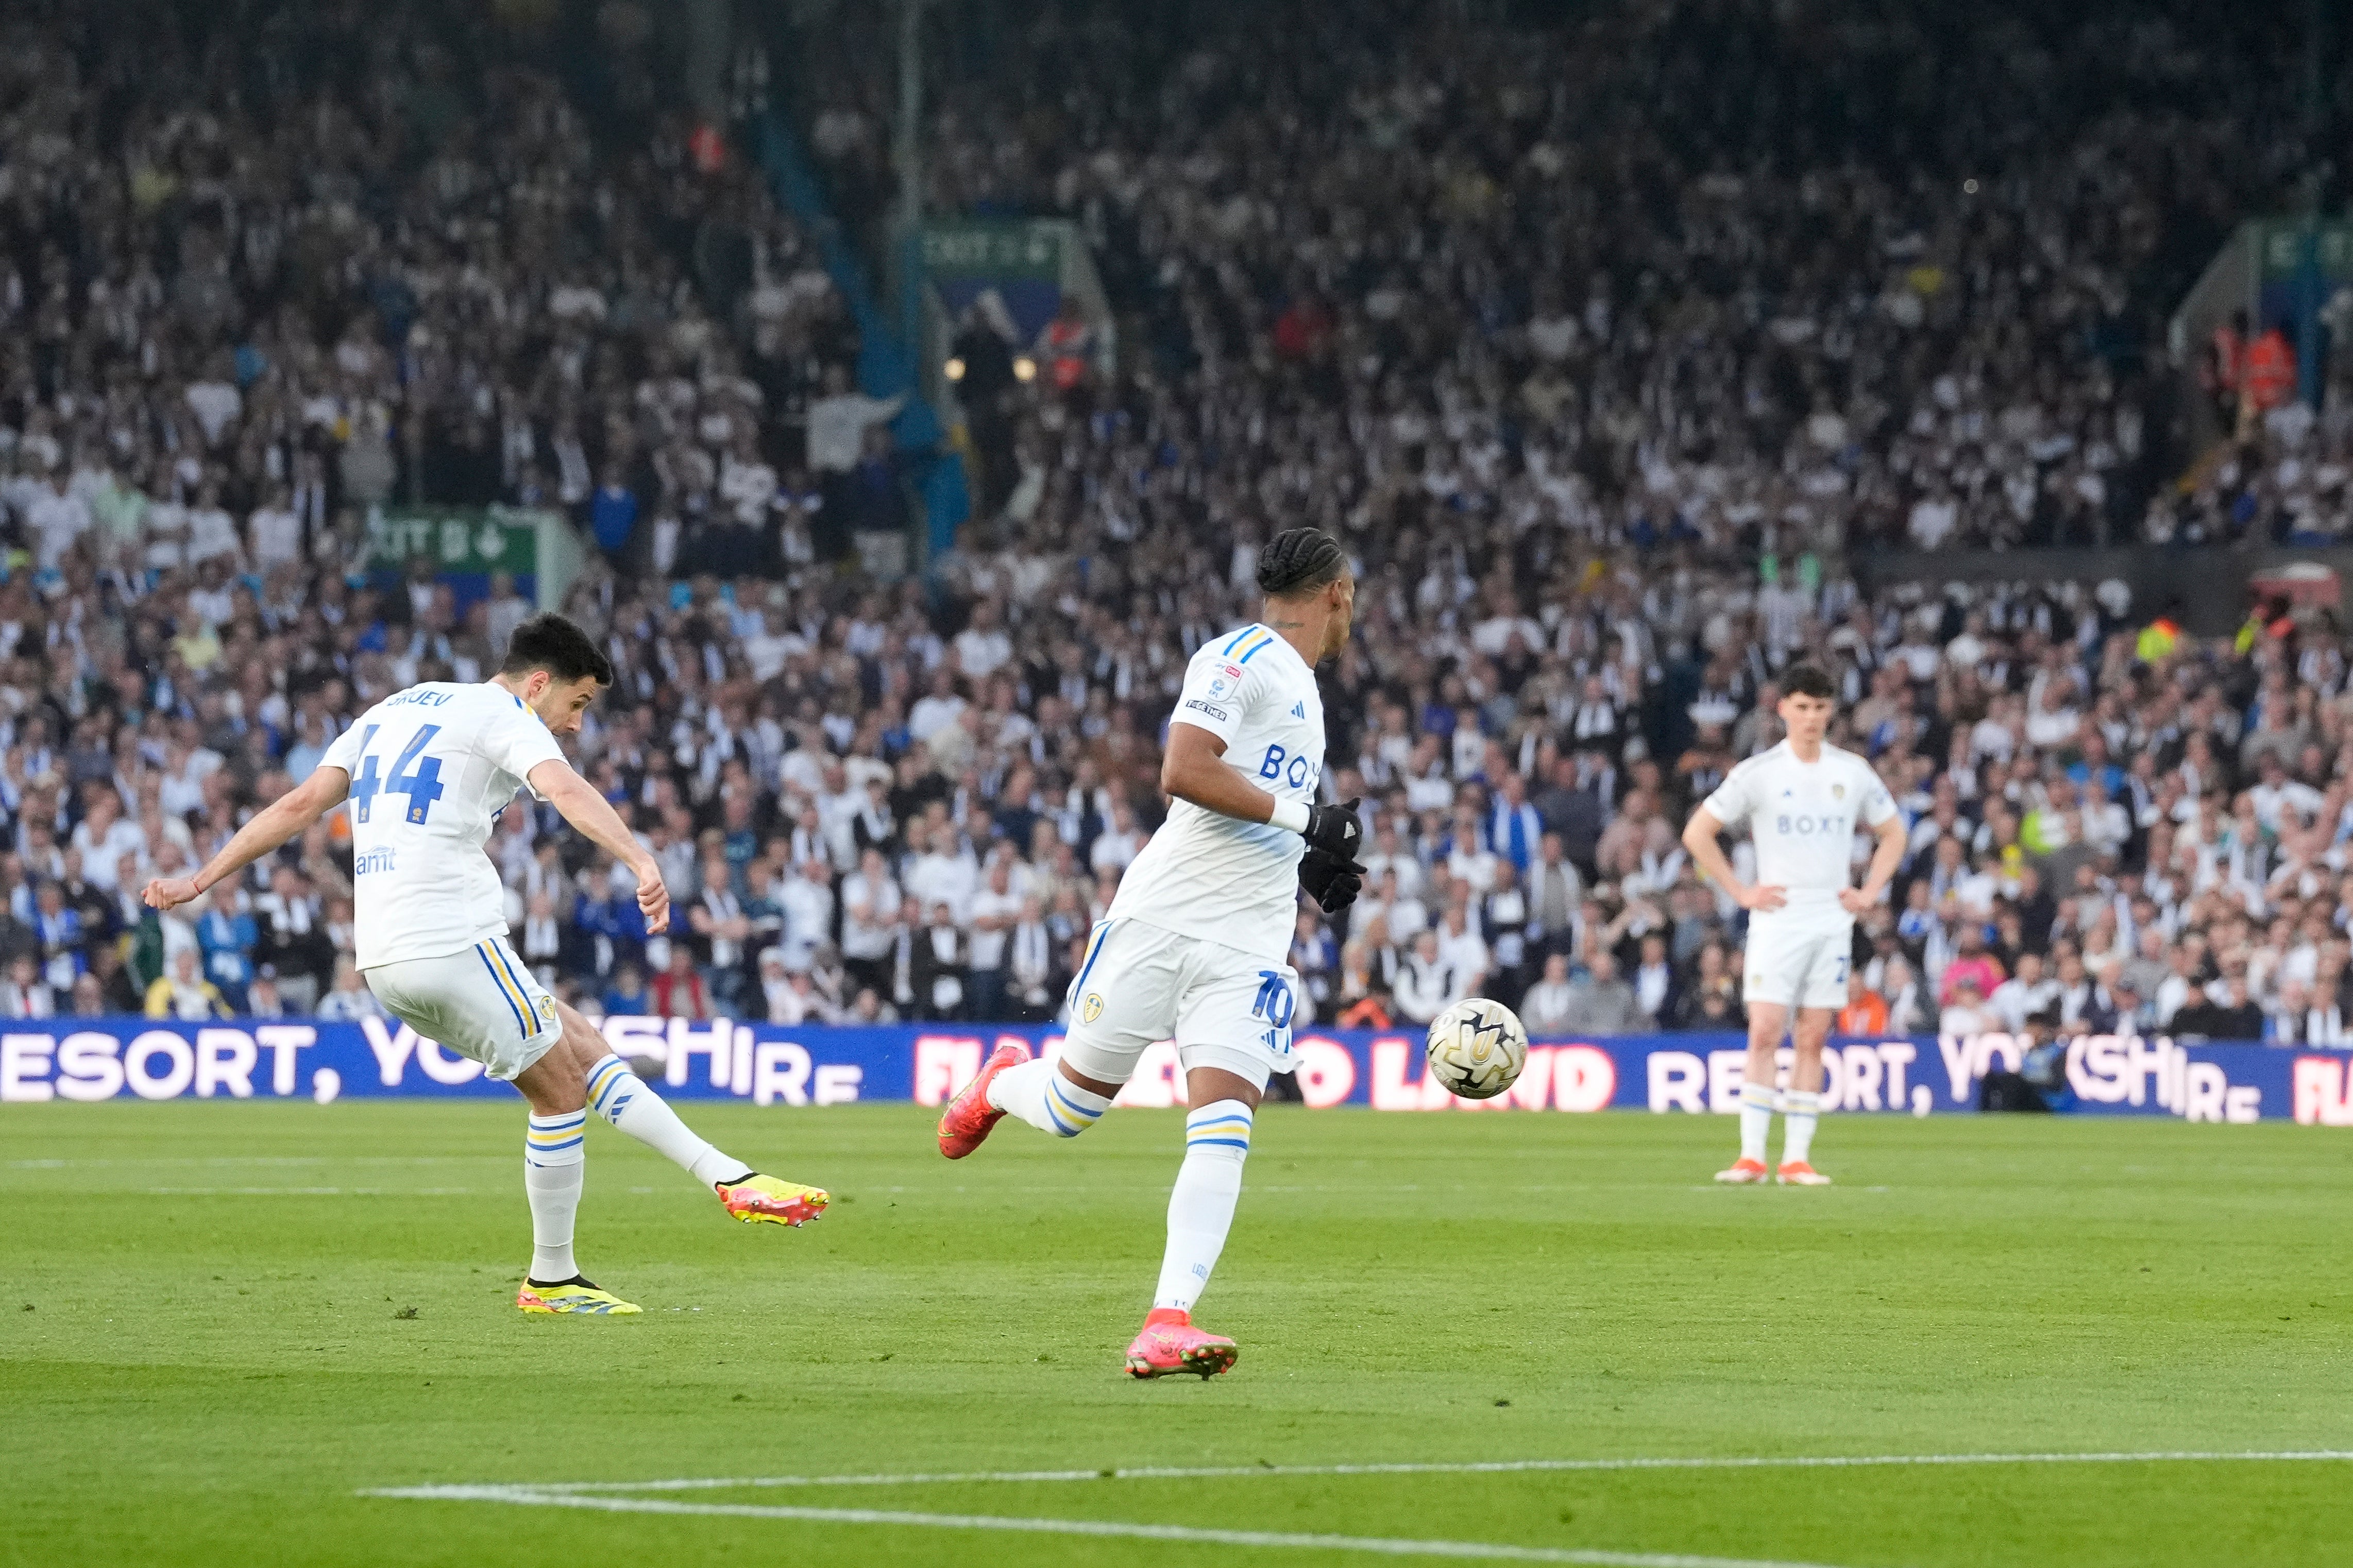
(1332, 882)
(1335, 830)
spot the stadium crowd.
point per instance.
(251, 295)
(1748, 274)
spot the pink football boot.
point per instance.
(1170, 1342)
(969, 1116)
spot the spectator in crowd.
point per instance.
(1549, 1008)
(348, 999)
(186, 994)
(1865, 1013)
(679, 991)
(2023, 995)
(628, 997)
(938, 965)
(1656, 994)
(261, 997)
(1425, 983)
(2231, 1016)
(25, 994)
(1604, 1004)
(1966, 1012)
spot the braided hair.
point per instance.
(1299, 561)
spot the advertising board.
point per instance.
(85, 1059)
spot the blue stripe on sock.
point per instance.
(519, 1025)
(1219, 1142)
(1057, 1101)
(539, 1148)
(606, 1082)
(1217, 1121)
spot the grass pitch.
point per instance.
(221, 1324)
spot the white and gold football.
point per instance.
(1477, 1049)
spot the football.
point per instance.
(1477, 1049)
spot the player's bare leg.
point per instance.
(1803, 1103)
(1201, 1213)
(1769, 1022)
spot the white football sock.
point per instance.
(555, 1160)
(1201, 1205)
(1756, 1120)
(622, 1098)
(1037, 1093)
(1799, 1112)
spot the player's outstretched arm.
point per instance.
(273, 825)
(1700, 837)
(592, 815)
(1193, 768)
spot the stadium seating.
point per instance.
(1789, 305)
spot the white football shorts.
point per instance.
(1800, 963)
(480, 1002)
(1225, 1009)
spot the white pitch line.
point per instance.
(308, 1192)
(1182, 1533)
(1477, 1468)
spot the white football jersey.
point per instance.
(1801, 817)
(432, 768)
(1204, 874)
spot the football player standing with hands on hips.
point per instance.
(1801, 802)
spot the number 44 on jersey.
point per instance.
(419, 780)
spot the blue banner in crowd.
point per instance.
(142, 1058)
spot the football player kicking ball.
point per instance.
(427, 771)
(1193, 947)
(1800, 802)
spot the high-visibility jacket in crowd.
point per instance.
(2271, 370)
(1068, 344)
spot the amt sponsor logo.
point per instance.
(371, 861)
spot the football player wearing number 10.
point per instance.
(1801, 802)
(1194, 945)
(427, 771)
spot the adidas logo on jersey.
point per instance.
(1299, 710)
